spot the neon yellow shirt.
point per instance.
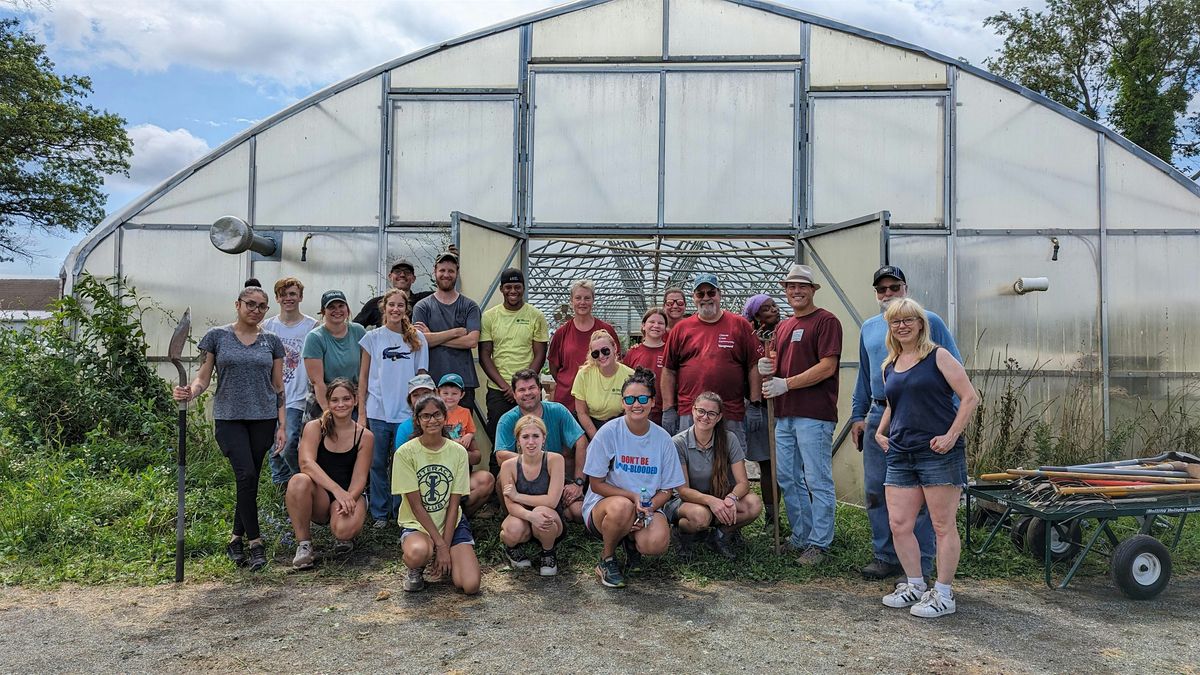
(437, 474)
(601, 394)
(512, 335)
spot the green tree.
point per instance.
(1132, 64)
(54, 149)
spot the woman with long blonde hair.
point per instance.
(597, 387)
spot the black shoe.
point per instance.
(516, 557)
(633, 557)
(719, 542)
(548, 565)
(258, 557)
(236, 553)
(881, 569)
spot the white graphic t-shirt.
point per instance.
(631, 462)
(393, 363)
(295, 379)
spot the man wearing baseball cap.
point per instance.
(807, 348)
(514, 337)
(866, 412)
(402, 275)
(451, 323)
(712, 350)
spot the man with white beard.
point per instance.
(866, 411)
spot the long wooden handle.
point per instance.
(1131, 490)
(1094, 476)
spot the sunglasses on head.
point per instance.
(884, 288)
(603, 351)
(640, 398)
(710, 293)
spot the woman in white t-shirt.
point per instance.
(630, 460)
(391, 355)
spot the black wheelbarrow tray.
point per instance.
(1140, 565)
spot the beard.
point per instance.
(884, 304)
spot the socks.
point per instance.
(918, 583)
(943, 589)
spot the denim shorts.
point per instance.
(462, 533)
(926, 467)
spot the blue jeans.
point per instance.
(287, 463)
(804, 453)
(874, 471)
(382, 503)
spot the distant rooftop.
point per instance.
(28, 294)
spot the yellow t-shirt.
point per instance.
(512, 335)
(437, 474)
(601, 394)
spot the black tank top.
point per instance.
(339, 465)
(538, 486)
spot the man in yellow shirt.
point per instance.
(514, 337)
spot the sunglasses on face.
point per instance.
(261, 306)
(676, 302)
(641, 398)
(603, 351)
(884, 288)
(711, 293)
(431, 417)
(907, 321)
(710, 414)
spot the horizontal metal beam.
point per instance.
(700, 58)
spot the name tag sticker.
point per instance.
(798, 335)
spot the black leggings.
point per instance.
(245, 443)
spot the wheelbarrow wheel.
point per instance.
(1141, 567)
(1064, 539)
(1017, 533)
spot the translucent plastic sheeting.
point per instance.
(1143, 196)
(321, 166)
(717, 27)
(452, 154)
(1154, 311)
(1021, 165)
(847, 61)
(743, 174)
(847, 463)
(102, 261)
(346, 261)
(923, 259)
(595, 148)
(489, 62)
(872, 154)
(220, 188)
(617, 28)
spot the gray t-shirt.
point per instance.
(462, 313)
(698, 462)
(244, 389)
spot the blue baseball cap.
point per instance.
(706, 278)
(452, 378)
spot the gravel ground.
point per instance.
(569, 624)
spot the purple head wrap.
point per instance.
(753, 305)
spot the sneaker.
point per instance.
(719, 541)
(633, 557)
(343, 546)
(932, 605)
(905, 595)
(517, 558)
(684, 544)
(236, 553)
(414, 580)
(610, 573)
(881, 569)
(380, 523)
(304, 556)
(258, 557)
(549, 564)
(813, 555)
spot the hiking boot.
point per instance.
(881, 569)
(343, 546)
(610, 573)
(813, 555)
(304, 556)
(932, 605)
(517, 558)
(258, 557)
(236, 553)
(633, 557)
(905, 595)
(719, 541)
(414, 579)
(549, 563)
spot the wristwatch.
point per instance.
(579, 482)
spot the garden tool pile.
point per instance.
(1169, 474)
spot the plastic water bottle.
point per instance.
(648, 506)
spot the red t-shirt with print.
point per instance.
(713, 357)
(650, 358)
(800, 343)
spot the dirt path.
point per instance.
(523, 623)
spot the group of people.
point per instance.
(643, 447)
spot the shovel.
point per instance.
(175, 353)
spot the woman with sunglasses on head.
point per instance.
(533, 505)
(568, 348)
(597, 387)
(921, 437)
(248, 409)
(632, 467)
(716, 492)
(649, 352)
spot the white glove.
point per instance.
(776, 386)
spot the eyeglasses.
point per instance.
(640, 398)
(884, 288)
(710, 414)
(711, 293)
(906, 321)
(675, 302)
(259, 306)
(431, 417)
(603, 351)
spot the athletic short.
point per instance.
(671, 509)
(462, 533)
(926, 467)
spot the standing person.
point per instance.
(597, 387)
(513, 338)
(763, 315)
(533, 504)
(248, 409)
(921, 434)
(715, 490)
(402, 275)
(391, 355)
(451, 323)
(430, 472)
(712, 350)
(866, 412)
(569, 345)
(630, 461)
(804, 387)
(564, 436)
(331, 350)
(674, 306)
(335, 464)
(650, 351)
(292, 326)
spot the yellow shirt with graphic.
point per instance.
(601, 394)
(512, 335)
(436, 474)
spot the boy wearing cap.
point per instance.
(460, 425)
(513, 338)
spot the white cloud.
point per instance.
(157, 153)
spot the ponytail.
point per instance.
(328, 429)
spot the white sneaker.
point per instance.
(933, 605)
(304, 556)
(905, 595)
(414, 580)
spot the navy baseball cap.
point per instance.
(889, 271)
(329, 297)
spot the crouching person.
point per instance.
(631, 460)
(335, 463)
(432, 475)
(532, 485)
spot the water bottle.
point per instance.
(648, 506)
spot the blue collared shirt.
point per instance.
(872, 350)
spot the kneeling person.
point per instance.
(532, 503)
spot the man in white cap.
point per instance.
(807, 348)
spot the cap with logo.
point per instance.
(512, 275)
(800, 274)
(705, 278)
(330, 297)
(419, 382)
(452, 378)
(446, 256)
(889, 271)
(403, 264)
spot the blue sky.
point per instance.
(187, 75)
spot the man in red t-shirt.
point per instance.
(804, 388)
(712, 350)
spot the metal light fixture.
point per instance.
(231, 234)
(1030, 284)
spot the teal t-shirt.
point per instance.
(340, 356)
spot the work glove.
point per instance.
(670, 421)
(776, 386)
(754, 418)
